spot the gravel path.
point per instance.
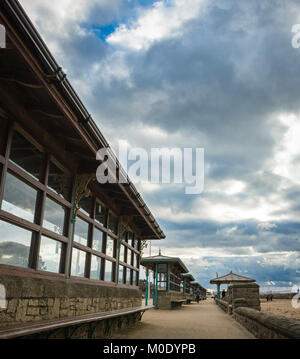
(196, 321)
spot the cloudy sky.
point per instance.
(220, 75)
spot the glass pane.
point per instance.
(95, 267)
(112, 224)
(3, 134)
(100, 214)
(85, 205)
(108, 271)
(14, 245)
(97, 240)
(121, 274)
(128, 276)
(59, 181)
(26, 155)
(134, 278)
(129, 256)
(81, 231)
(54, 217)
(110, 247)
(78, 263)
(122, 253)
(50, 251)
(161, 285)
(19, 198)
(135, 260)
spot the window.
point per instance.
(19, 198)
(135, 260)
(26, 155)
(100, 215)
(78, 263)
(85, 205)
(110, 247)
(112, 224)
(162, 280)
(122, 253)
(95, 267)
(59, 181)
(50, 252)
(3, 134)
(15, 245)
(134, 278)
(121, 275)
(128, 276)
(54, 217)
(97, 240)
(108, 271)
(81, 231)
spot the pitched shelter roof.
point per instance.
(189, 277)
(150, 262)
(197, 285)
(49, 104)
(231, 278)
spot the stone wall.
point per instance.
(244, 295)
(267, 326)
(224, 305)
(33, 300)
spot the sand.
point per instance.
(280, 307)
(195, 321)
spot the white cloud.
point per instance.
(166, 19)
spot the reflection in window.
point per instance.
(122, 253)
(81, 231)
(134, 278)
(100, 214)
(54, 217)
(19, 198)
(50, 251)
(14, 245)
(85, 205)
(121, 274)
(97, 240)
(129, 256)
(59, 181)
(95, 267)
(128, 276)
(108, 271)
(26, 155)
(135, 260)
(110, 247)
(112, 223)
(3, 134)
(78, 263)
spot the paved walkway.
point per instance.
(195, 321)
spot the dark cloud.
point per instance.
(221, 86)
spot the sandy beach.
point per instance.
(280, 307)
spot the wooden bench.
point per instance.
(177, 303)
(47, 328)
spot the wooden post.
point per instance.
(219, 291)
